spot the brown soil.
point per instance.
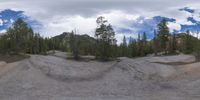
(12, 58)
(176, 63)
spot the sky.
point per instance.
(128, 17)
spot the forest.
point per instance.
(21, 39)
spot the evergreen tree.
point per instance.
(74, 46)
(133, 48)
(188, 43)
(197, 49)
(124, 47)
(144, 47)
(4, 44)
(20, 38)
(124, 42)
(139, 45)
(18, 34)
(163, 35)
(173, 44)
(105, 36)
(155, 43)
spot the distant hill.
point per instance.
(66, 36)
(86, 43)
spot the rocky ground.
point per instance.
(55, 78)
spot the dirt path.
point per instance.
(5, 68)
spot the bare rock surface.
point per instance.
(69, 69)
(55, 78)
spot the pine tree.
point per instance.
(197, 49)
(18, 34)
(173, 44)
(133, 48)
(124, 42)
(163, 35)
(124, 47)
(139, 45)
(155, 43)
(144, 45)
(188, 43)
(105, 36)
(74, 46)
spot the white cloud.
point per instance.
(11, 21)
(1, 22)
(120, 37)
(59, 24)
(58, 16)
(2, 31)
(174, 26)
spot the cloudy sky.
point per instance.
(128, 17)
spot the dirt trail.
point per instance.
(5, 68)
(55, 78)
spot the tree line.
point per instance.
(163, 42)
(21, 39)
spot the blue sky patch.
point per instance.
(9, 16)
(187, 9)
